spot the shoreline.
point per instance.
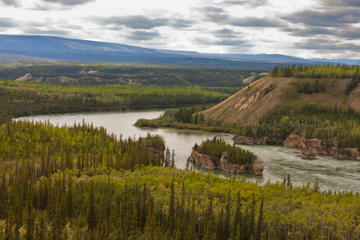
(320, 153)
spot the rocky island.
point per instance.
(216, 154)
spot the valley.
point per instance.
(179, 120)
(97, 159)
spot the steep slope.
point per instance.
(250, 103)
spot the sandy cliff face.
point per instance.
(251, 103)
(204, 161)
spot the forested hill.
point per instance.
(296, 86)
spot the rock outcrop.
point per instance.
(312, 147)
(204, 161)
(27, 77)
(307, 154)
(294, 141)
(249, 140)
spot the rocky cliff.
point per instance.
(204, 161)
(310, 147)
(314, 146)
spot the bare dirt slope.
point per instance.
(252, 102)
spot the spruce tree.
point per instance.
(91, 212)
(171, 213)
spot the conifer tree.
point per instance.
(171, 213)
(91, 212)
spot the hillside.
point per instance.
(29, 48)
(20, 98)
(249, 104)
(125, 74)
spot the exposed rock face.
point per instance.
(25, 78)
(249, 140)
(294, 141)
(311, 147)
(204, 161)
(29, 78)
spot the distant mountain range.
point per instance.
(18, 47)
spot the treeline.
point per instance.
(47, 149)
(322, 71)
(216, 147)
(321, 74)
(39, 98)
(189, 118)
(354, 82)
(110, 73)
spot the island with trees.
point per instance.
(216, 154)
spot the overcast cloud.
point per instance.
(307, 28)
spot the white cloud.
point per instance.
(256, 26)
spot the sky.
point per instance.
(304, 28)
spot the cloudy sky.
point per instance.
(305, 28)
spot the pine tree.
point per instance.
(167, 158)
(237, 222)
(226, 230)
(173, 159)
(260, 221)
(69, 199)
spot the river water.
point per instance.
(338, 175)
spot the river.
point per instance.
(337, 175)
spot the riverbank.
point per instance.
(279, 161)
(29, 98)
(333, 151)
